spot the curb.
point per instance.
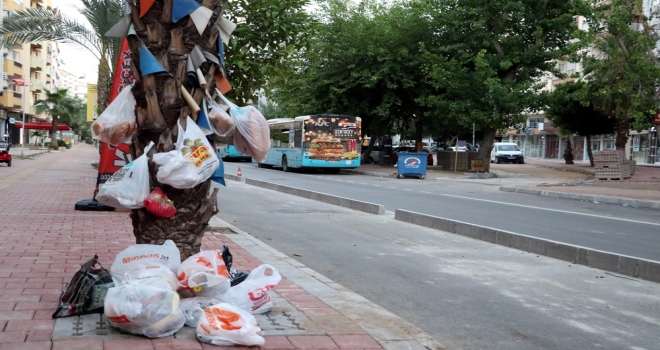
(370, 173)
(369, 208)
(586, 197)
(622, 264)
(394, 333)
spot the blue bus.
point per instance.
(229, 152)
(323, 141)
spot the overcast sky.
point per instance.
(77, 60)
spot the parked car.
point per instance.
(395, 157)
(5, 157)
(506, 152)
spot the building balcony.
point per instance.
(36, 63)
(37, 85)
(9, 101)
(11, 69)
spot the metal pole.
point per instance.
(23, 125)
(472, 134)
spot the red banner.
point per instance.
(114, 158)
(123, 75)
(656, 119)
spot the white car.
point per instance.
(506, 152)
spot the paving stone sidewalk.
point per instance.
(43, 241)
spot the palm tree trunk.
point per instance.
(53, 134)
(159, 105)
(104, 84)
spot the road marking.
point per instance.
(555, 210)
(407, 189)
(427, 192)
(391, 187)
(361, 183)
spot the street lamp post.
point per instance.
(20, 82)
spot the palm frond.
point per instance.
(37, 24)
(102, 15)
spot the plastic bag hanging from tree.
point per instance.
(226, 325)
(129, 186)
(254, 138)
(222, 122)
(191, 163)
(117, 123)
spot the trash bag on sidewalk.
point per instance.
(129, 186)
(145, 261)
(226, 325)
(235, 276)
(86, 291)
(205, 274)
(252, 294)
(117, 123)
(149, 309)
(191, 163)
(193, 308)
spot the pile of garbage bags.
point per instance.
(155, 294)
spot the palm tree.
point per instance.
(40, 24)
(60, 107)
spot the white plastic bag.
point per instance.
(252, 294)
(191, 163)
(223, 124)
(117, 123)
(193, 308)
(142, 261)
(226, 325)
(129, 186)
(149, 309)
(254, 138)
(205, 274)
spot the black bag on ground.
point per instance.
(235, 276)
(85, 293)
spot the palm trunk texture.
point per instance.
(53, 134)
(159, 104)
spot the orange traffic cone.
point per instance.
(240, 174)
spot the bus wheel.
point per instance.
(259, 165)
(332, 170)
(285, 165)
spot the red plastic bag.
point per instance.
(158, 204)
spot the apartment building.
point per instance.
(538, 138)
(74, 83)
(35, 63)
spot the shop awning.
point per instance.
(42, 126)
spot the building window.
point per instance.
(534, 122)
(15, 56)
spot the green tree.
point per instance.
(41, 24)
(60, 107)
(571, 109)
(364, 61)
(623, 72)
(493, 55)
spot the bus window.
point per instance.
(298, 138)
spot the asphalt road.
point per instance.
(623, 230)
(466, 293)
